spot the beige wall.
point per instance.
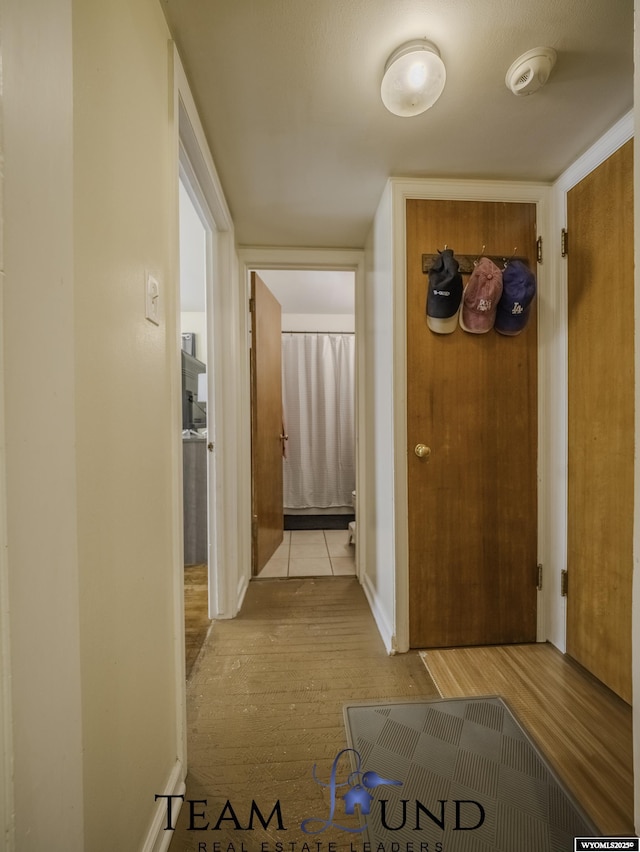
(338, 323)
(91, 425)
(38, 351)
(196, 322)
(125, 175)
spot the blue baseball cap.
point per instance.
(518, 291)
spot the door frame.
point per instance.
(200, 184)
(192, 156)
(343, 260)
(199, 202)
(438, 189)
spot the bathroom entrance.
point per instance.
(318, 421)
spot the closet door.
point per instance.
(471, 398)
(601, 421)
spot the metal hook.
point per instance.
(477, 260)
(507, 262)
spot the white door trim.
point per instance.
(214, 542)
(402, 190)
(193, 159)
(199, 174)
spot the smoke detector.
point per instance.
(530, 71)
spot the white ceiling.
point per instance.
(298, 291)
(289, 95)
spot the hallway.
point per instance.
(265, 703)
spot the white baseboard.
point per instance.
(379, 617)
(158, 839)
(243, 586)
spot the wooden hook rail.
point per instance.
(467, 261)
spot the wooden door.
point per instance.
(266, 423)
(472, 398)
(601, 421)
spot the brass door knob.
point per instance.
(422, 451)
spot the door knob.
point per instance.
(422, 451)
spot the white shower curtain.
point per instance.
(318, 393)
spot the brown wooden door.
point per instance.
(266, 423)
(601, 421)
(472, 398)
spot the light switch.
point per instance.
(152, 311)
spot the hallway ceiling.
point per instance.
(289, 96)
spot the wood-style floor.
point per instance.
(265, 702)
(583, 729)
(266, 693)
(196, 612)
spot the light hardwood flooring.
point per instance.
(196, 612)
(583, 729)
(312, 553)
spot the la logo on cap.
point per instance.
(519, 289)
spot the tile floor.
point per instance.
(312, 553)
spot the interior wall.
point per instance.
(39, 400)
(196, 322)
(338, 323)
(193, 272)
(125, 179)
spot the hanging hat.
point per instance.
(481, 297)
(445, 293)
(518, 290)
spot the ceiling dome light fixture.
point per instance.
(414, 78)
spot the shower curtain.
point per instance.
(318, 394)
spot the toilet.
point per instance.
(352, 525)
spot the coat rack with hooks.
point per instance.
(467, 261)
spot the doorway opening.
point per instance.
(318, 380)
(195, 421)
